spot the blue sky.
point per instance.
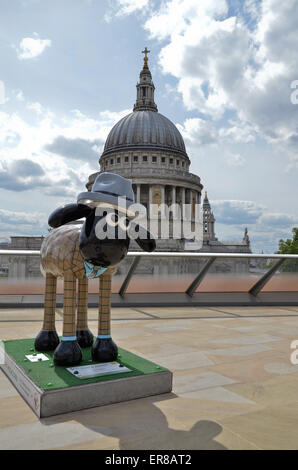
(222, 71)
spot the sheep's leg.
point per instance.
(84, 335)
(68, 353)
(47, 339)
(104, 349)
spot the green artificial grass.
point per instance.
(47, 376)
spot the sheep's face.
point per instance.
(105, 252)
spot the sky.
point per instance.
(225, 72)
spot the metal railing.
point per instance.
(211, 257)
(192, 288)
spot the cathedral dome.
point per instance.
(145, 129)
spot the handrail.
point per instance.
(171, 254)
(211, 257)
(20, 252)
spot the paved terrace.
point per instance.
(234, 385)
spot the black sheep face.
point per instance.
(105, 252)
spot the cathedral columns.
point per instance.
(182, 201)
(138, 193)
(196, 202)
(162, 201)
(174, 201)
(162, 194)
(173, 194)
(150, 200)
(182, 195)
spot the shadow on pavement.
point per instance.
(141, 425)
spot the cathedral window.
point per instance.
(178, 162)
(144, 91)
(154, 159)
(145, 158)
(112, 161)
(135, 158)
(126, 159)
(171, 161)
(118, 160)
(163, 159)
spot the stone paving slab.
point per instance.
(234, 385)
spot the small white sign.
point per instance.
(37, 358)
(95, 370)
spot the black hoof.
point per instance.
(104, 350)
(85, 338)
(68, 353)
(46, 340)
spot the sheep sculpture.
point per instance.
(75, 253)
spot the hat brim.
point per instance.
(92, 199)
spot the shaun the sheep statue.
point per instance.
(75, 252)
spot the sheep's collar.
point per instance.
(92, 271)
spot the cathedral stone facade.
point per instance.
(147, 148)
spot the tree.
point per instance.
(289, 247)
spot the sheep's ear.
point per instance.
(68, 213)
(146, 243)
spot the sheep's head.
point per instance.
(105, 236)
(97, 247)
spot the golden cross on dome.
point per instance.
(145, 51)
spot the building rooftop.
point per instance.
(144, 130)
(234, 385)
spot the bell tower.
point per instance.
(145, 88)
(208, 221)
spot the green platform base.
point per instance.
(51, 390)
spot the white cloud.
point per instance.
(32, 47)
(265, 228)
(237, 212)
(22, 223)
(35, 107)
(52, 157)
(124, 7)
(25, 218)
(236, 131)
(235, 159)
(19, 94)
(129, 6)
(198, 131)
(56, 153)
(281, 220)
(241, 63)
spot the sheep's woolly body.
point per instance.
(60, 252)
